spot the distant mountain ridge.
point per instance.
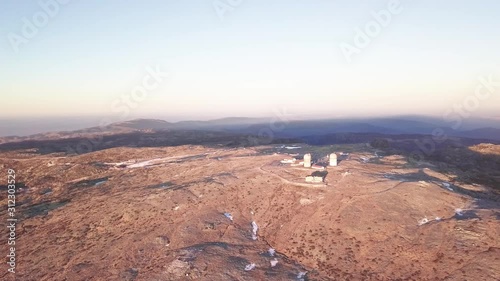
(279, 128)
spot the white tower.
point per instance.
(333, 159)
(307, 160)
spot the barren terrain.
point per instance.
(165, 214)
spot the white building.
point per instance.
(333, 159)
(288, 161)
(314, 179)
(307, 160)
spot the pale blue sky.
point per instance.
(262, 57)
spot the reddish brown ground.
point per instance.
(166, 222)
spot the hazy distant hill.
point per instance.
(231, 123)
(285, 129)
(483, 133)
(144, 124)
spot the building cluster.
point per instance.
(308, 161)
(317, 176)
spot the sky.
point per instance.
(204, 59)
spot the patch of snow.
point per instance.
(293, 147)
(426, 220)
(274, 263)
(448, 186)
(255, 228)
(459, 212)
(301, 276)
(423, 183)
(250, 267)
(271, 252)
(140, 164)
(229, 216)
(423, 221)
